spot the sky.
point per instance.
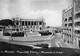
(50, 10)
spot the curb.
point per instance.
(58, 44)
(68, 44)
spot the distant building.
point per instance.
(29, 24)
(67, 21)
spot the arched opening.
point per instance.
(40, 28)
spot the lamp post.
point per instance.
(73, 22)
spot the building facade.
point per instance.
(29, 24)
(67, 21)
(71, 28)
(76, 22)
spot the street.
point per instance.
(28, 41)
(54, 48)
(54, 40)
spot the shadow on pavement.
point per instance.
(7, 49)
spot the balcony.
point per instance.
(68, 32)
(70, 19)
(70, 24)
(77, 19)
(65, 31)
(77, 28)
(77, 12)
(78, 35)
(77, 32)
(77, 25)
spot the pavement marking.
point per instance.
(34, 47)
(51, 37)
(58, 44)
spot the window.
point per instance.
(40, 23)
(70, 19)
(77, 24)
(17, 23)
(65, 24)
(26, 23)
(65, 19)
(32, 23)
(35, 23)
(77, 15)
(77, 31)
(70, 24)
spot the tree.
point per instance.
(48, 26)
(6, 22)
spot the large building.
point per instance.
(76, 22)
(67, 20)
(29, 24)
(71, 24)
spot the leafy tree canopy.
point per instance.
(6, 22)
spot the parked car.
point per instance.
(45, 33)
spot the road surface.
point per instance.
(53, 51)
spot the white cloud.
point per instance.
(4, 13)
(52, 18)
(51, 10)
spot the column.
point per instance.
(27, 23)
(38, 25)
(42, 25)
(24, 23)
(69, 38)
(34, 25)
(30, 24)
(20, 23)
